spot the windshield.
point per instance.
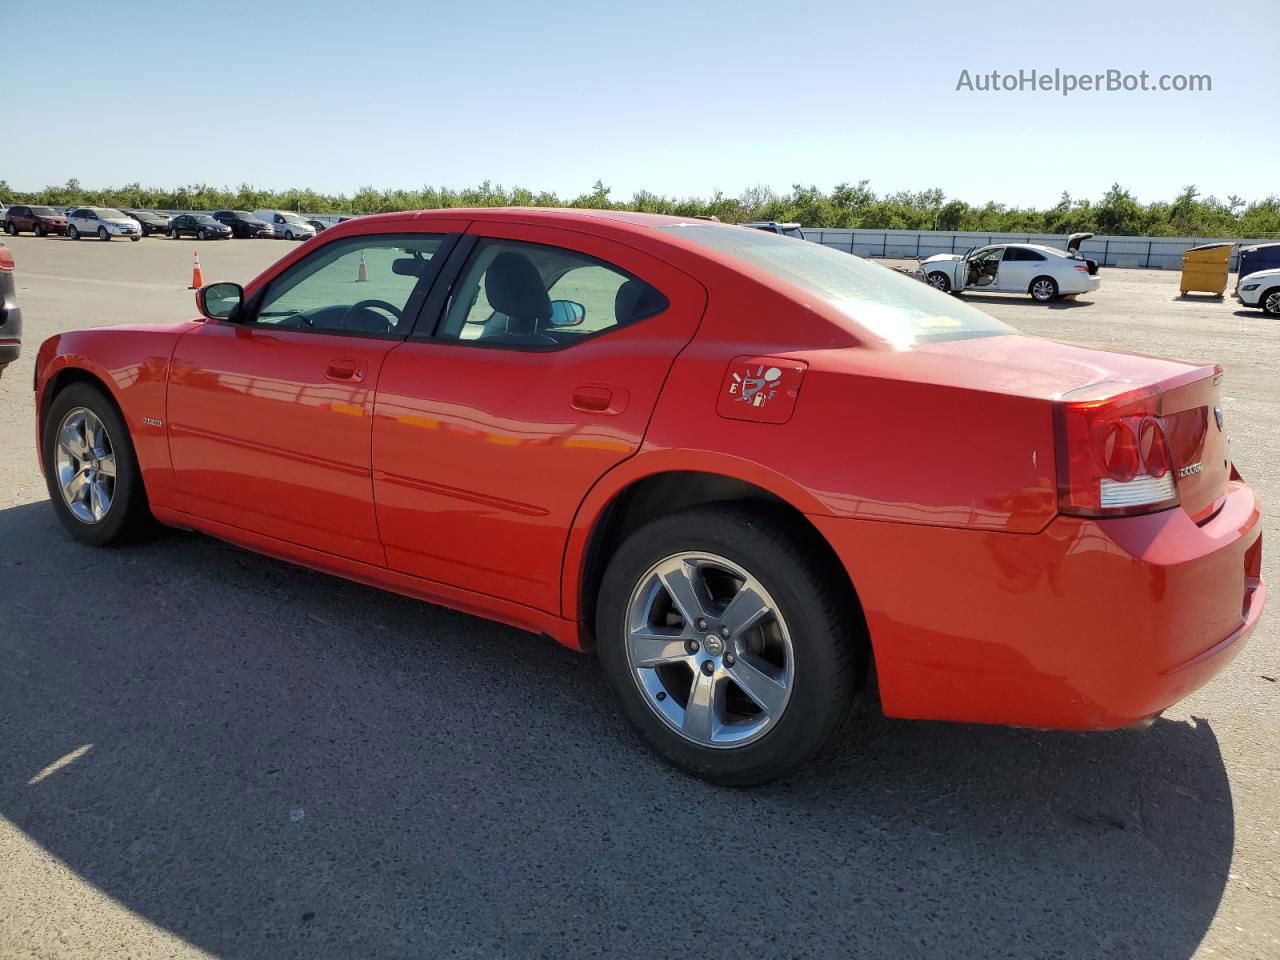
(44, 212)
(109, 213)
(896, 308)
(204, 218)
(290, 218)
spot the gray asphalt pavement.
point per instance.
(207, 752)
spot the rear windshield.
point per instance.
(896, 308)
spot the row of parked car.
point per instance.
(107, 223)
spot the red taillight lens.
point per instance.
(1116, 449)
(1082, 267)
(1112, 458)
(1152, 447)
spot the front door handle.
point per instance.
(598, 398)
(344, 370)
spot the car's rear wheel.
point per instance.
(38, 230)
(732, 649)
(288, 234)
(1044, 289)
(939, 281)
(1271, 302)
(73, 233)
(90, 468)
(102, 234)
(11, 229)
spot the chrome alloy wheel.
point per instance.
(709, 649)
(1272, 303)
(1042, 290)
(86, 465)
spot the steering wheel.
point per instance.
(370, 305)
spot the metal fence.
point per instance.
(1144, 253)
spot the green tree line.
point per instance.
(848, 205)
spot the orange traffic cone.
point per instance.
(362, 275)
(197, 276)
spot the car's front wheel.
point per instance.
(102, 234)
(73, 233)
(38, 230)
(91, 469)
(173, 233)
(731, 646)
(1270, 302)
(939, 281)
(202, 234)
(1044, 289)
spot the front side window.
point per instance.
(527, 295)
(369, 285)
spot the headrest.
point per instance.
(513, 286)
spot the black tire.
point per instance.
(827, 637)
(11, 228)
(202, 235)
(134, 239)
(38, 230)
(1043, 289)
(129, 516)
(939, 281)
(103, 235)
(73, 233)
(1270, 302)
(173, 234)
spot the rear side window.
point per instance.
(895, 308)
(530, 296)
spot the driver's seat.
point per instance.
(522, 307)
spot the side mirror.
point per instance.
(567, 313)
(220, 301)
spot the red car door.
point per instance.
(270, 419)
(549, 356)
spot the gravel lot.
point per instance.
(262, 761)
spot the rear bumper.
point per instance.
(1087, 625)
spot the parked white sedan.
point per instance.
(1262, 290)
(1044, 272)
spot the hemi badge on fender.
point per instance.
(763, 389)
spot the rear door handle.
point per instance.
(598, 398)
(344, 370)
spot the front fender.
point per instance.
(132, 365)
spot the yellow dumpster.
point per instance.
(1204, 268)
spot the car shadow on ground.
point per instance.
(1062, 303)
(269, 762)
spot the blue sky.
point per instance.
(680, 98)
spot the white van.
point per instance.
(287, 225)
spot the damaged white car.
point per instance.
(1044, 272)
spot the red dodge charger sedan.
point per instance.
(745, 470)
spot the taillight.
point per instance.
(1113, 459)
(1082, 267)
